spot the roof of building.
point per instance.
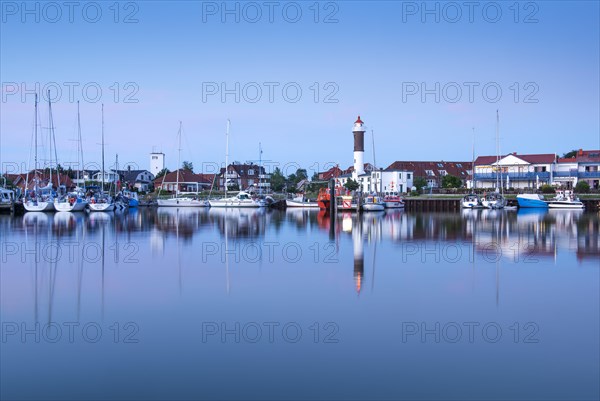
(185, 176)
(242, 169)
(420, 168)
(582, 156)
(131, 175)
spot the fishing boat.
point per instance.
(101, 202)
(373, 204)
(301, 201)
(531, 201)
(472, 201)
(324, 199)
(393, 202)
(565, 200)
(177, 200)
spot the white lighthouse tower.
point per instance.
(359, 148)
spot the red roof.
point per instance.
(583, 156)
(419, 168)
(359, 121)
(185, 176)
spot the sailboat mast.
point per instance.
(79, 147)
(178, 160)
(473, 162)
(53, 142)
(259, 168)
(497, 150)
(50, 136)
(226, 155)
(102, 148)
(36, 146)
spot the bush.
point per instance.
(582, 187)
(547, 189)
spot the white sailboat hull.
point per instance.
(394, 205)
(234, 203)
(68, 207)
(373, 207)
(182, 202)
(32, 206)
(565, 205)
(102, 207)
(292, 203)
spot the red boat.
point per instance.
(324, 199)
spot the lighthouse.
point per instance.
(359, 148)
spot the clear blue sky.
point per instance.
(372, 55)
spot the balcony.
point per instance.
(543, 175)
(589, 174)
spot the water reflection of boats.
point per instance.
(239, 222)
(37, 219)
(182, 221)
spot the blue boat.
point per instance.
(131, 197)
(531, 200)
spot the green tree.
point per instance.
(351, 185)
(451, 181)
(162, 172)
(277, 180)
(419, 183)
(547, 189)
(570, 154)
(189, 166)
(582, 187)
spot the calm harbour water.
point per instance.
(261, 304)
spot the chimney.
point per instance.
(514, 153)
(580, 152)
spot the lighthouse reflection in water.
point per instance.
(357, 282)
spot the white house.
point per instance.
(515, 171)
(386, 181)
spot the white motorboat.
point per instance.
(242, 199)
(7, 198)
(373, 204)
(182, 202)
(493, 201)
(472, 201)
(301, 201)
(565, 200)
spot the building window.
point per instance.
(459, 165)
(250, 172)
(429, 172)
(399, 176)
(154, 157)
(408, 176)
(440, 165)
(442, 172)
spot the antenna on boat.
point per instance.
(473, 162)
(226, 155)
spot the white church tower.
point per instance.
(359, 148)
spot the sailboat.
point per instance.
(496, 199)
(242, 199)
(181, 201)
(74, 201)
(101, 202)
(39, 199)
(472, 200)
